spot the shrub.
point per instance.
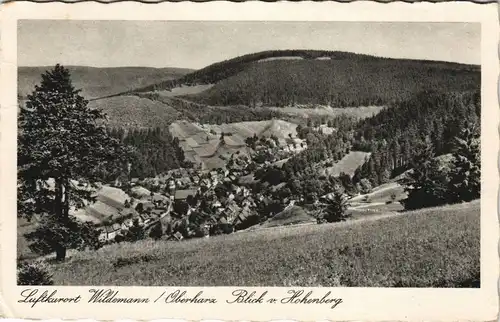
(156, 232)
(365, 186)
(35, 273)
(219, 229)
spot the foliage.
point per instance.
(52, 235)
(334, 208)
(156, 231)
(60, 139)
(365, 186)
(34, 273)
(135, 233)
(465, 183)
(426, 184)
(395, 134)
(220, 228)
(156, 151)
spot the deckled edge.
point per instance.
(237, 1)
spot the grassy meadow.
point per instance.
(437, 247)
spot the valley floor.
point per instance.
(437, 247)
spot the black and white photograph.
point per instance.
(252, 153)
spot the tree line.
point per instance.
(156, 151)
(399, 133)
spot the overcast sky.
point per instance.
(198, 44)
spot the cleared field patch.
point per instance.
(185, 90)
(281, 58)
(294, 215)
(437, 247)
(133, 111)
(202, 142)
(348, 164)
(383, 193)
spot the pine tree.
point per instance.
(426, 183)
(60, 140)
(334, 209)
(465, 174)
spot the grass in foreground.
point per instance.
(437, 247)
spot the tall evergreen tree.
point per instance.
(465, 182)
(61, 140)
(334, 208)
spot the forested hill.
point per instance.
(283, 78)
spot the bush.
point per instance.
(36, 273)
(365, 186)
(219, 229)
(156, 232)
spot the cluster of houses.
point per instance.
(153, 199)
(145, 211)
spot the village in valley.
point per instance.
(170, 199)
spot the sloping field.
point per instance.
(133, 111)
(109, 202)
(437, 247)
(193, 138)
(185, 90)
(383, 193)
(292, 216)
(100, 82)
(348, 164)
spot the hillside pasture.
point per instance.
(436, 247)
(293, 215)
(348, 164)
(133, 111)
(100, 82)
(184, 90)
(382, 193)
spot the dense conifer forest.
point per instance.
(156, 151)
(398, 134)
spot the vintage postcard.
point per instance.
(249, 161)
